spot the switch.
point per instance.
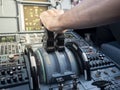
(112, 70)
(94, 64)
(100, 55)
(106, 73)
(102, 58)
(100, 63)
(103, 62)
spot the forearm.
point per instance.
(91, 13)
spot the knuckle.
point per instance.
(49, 27)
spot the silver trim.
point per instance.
(84, 56)
(34, 3)
(8, 17)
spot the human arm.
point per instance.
(89, 13)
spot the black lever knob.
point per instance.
(60, 41)
(49, 47)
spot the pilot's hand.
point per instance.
(51, 20)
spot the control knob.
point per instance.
(15, 79)
(8, 71)
(20, 77)
(3, 72)
(9, 80)
(13, 68)
(11, 72)
(2, 80)
(98, 73)
(11, 58)
(19, 67)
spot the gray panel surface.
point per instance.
(7, 8)
(8, 25)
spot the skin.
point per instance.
(89, 13)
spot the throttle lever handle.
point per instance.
(49, 46)
(54, 41)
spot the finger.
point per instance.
(44, 14)
(42, 19)
(52, 12)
